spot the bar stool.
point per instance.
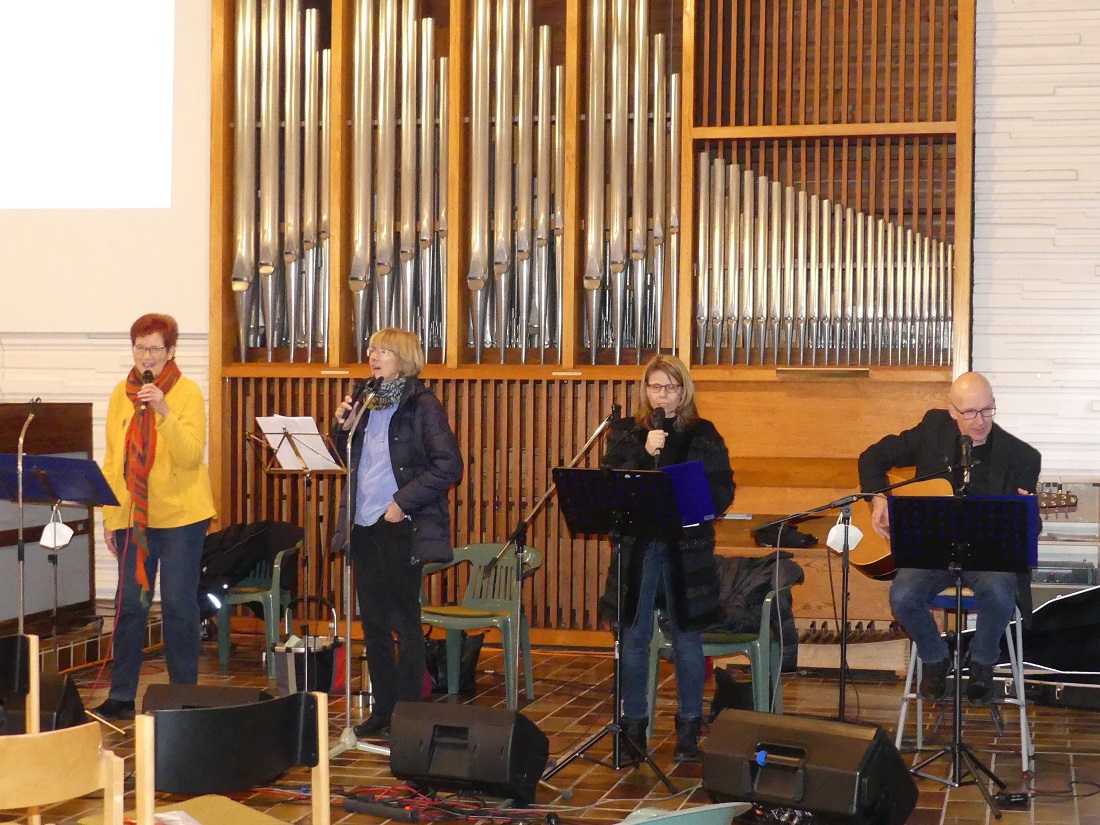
(1014, 687)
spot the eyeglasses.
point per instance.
(670, 389)
(379, 351)
(970, 415)
(156, 352)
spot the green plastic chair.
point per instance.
(263, 586)
(487, 602)
(762, 648)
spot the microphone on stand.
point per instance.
(658, 424)
(146, 378)
(966, 444)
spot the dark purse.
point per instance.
(435, 660)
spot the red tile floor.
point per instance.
(573, 701)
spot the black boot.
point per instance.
(687, 739)
(634, 739)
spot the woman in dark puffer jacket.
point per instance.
(679, 573)
(404, 459)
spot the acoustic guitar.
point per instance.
(872, 556)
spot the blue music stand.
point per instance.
(632, 502)
(48, 479)
(957, 534)
(51, 479)
(617, 502)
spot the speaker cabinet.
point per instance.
(490, 751)
(837, 771)
(60, 706)
(182, 697)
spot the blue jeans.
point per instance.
(687, 645)
(178, 553)
(994, 594)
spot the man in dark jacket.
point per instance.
(1000, 464)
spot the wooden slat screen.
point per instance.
(788, 62)
(512, 432)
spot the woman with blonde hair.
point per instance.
(404, 459)
(679, 575)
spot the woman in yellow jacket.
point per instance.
(156, 438)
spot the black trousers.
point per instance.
(388, 586)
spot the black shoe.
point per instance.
(687, 739)
(376, 726)
(115, 709)
(933, 682)
(634, 738)
(979, 688)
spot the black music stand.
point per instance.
(51, 479)
(957, 534)
(628, 503)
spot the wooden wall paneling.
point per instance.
(964, 183)
(540, 424)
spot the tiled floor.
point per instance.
(573, 702)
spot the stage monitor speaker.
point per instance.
(182, 697)
(490, 751)
(836, 771)
(60, 706)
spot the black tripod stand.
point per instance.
(973, 533)
(623, 502)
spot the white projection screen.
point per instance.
(104, 163)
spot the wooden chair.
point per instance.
(38, 769)
(488, 602)
(211, 751)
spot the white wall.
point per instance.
(1037, 223)
(74, 280)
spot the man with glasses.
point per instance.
(1000, 464)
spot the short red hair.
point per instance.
(155, 322)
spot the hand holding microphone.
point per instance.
(151, 394)
(345, 412)
(655, 440)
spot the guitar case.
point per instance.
(1062, 651)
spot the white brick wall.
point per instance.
(1037, 223)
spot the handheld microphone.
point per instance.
(360, 388)
(966, 444)
(363, 387)
(658, 424)
(146, 378)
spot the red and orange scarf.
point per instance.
(141, 452)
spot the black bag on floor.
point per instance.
(435, 659)
(732, 690)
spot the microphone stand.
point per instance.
(348, 740)
(845, 506)
(22, 547)
(518, 540)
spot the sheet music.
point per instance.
(285, 433)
